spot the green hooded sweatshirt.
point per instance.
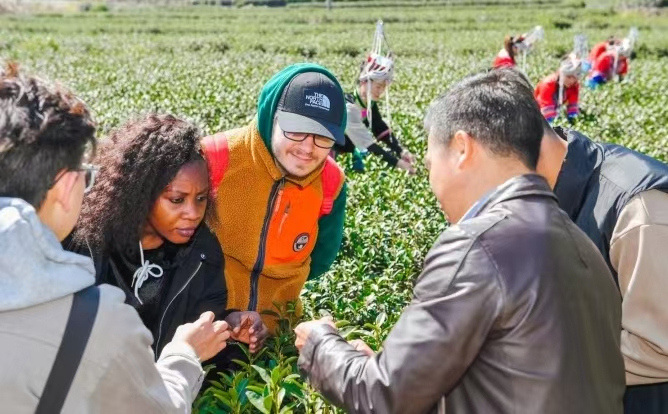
(330, 227)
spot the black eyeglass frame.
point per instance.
(306, 135)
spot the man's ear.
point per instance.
(463, 147)
(63, 189)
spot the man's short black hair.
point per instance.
(43, 130)
(497, 108)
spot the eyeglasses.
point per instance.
(90, 172)
(318, 140)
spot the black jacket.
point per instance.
(197, 286)
(515, 312)
(596, 182)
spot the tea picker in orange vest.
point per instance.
(279, 199)
(561, 88)
(366, 129)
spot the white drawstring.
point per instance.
(142, 273)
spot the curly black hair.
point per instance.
(137, 161)
(44, 129)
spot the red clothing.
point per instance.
(597, 51)
(547, 95)
(503, 59)
(604, 65)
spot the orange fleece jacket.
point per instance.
(254, 197)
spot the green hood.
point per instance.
(272, 91)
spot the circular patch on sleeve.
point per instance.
(300, 242)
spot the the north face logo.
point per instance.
(300, 242)
(317, 100)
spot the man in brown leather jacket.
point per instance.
(515, 310)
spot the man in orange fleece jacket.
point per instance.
(279, 199)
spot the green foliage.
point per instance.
(207, 64)
(267, 382)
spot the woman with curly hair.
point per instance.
(142, 224)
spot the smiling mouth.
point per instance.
(304, 158)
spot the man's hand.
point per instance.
(404, 165)
(361, 346)
(205, 336)
(303, 330)
(247, 327)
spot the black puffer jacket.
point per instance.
(197, 285)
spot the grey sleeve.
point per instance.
(133, 382)
(358, 133)
(457, 301)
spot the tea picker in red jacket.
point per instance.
(506, 56)
(597, 50)
(613, 62)
(514, 45)
(560, 88)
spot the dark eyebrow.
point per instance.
(171, 190)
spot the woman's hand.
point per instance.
(408, 157)
(406, 166)
(247, 327)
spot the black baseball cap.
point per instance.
(312, 103)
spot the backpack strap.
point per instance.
(217, 154)
(332, 180)
(85, 304)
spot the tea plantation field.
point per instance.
(208, 64)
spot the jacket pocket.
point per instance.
(293, 227)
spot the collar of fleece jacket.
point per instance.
(271, 94)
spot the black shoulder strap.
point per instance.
(77, 331)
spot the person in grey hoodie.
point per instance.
(44, 134)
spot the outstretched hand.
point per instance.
(408, 157)
(303, 330)
(406, 166)
(247, 327)
(361, 346)
(206, 336)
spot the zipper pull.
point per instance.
(285, 216)
(277, 203)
